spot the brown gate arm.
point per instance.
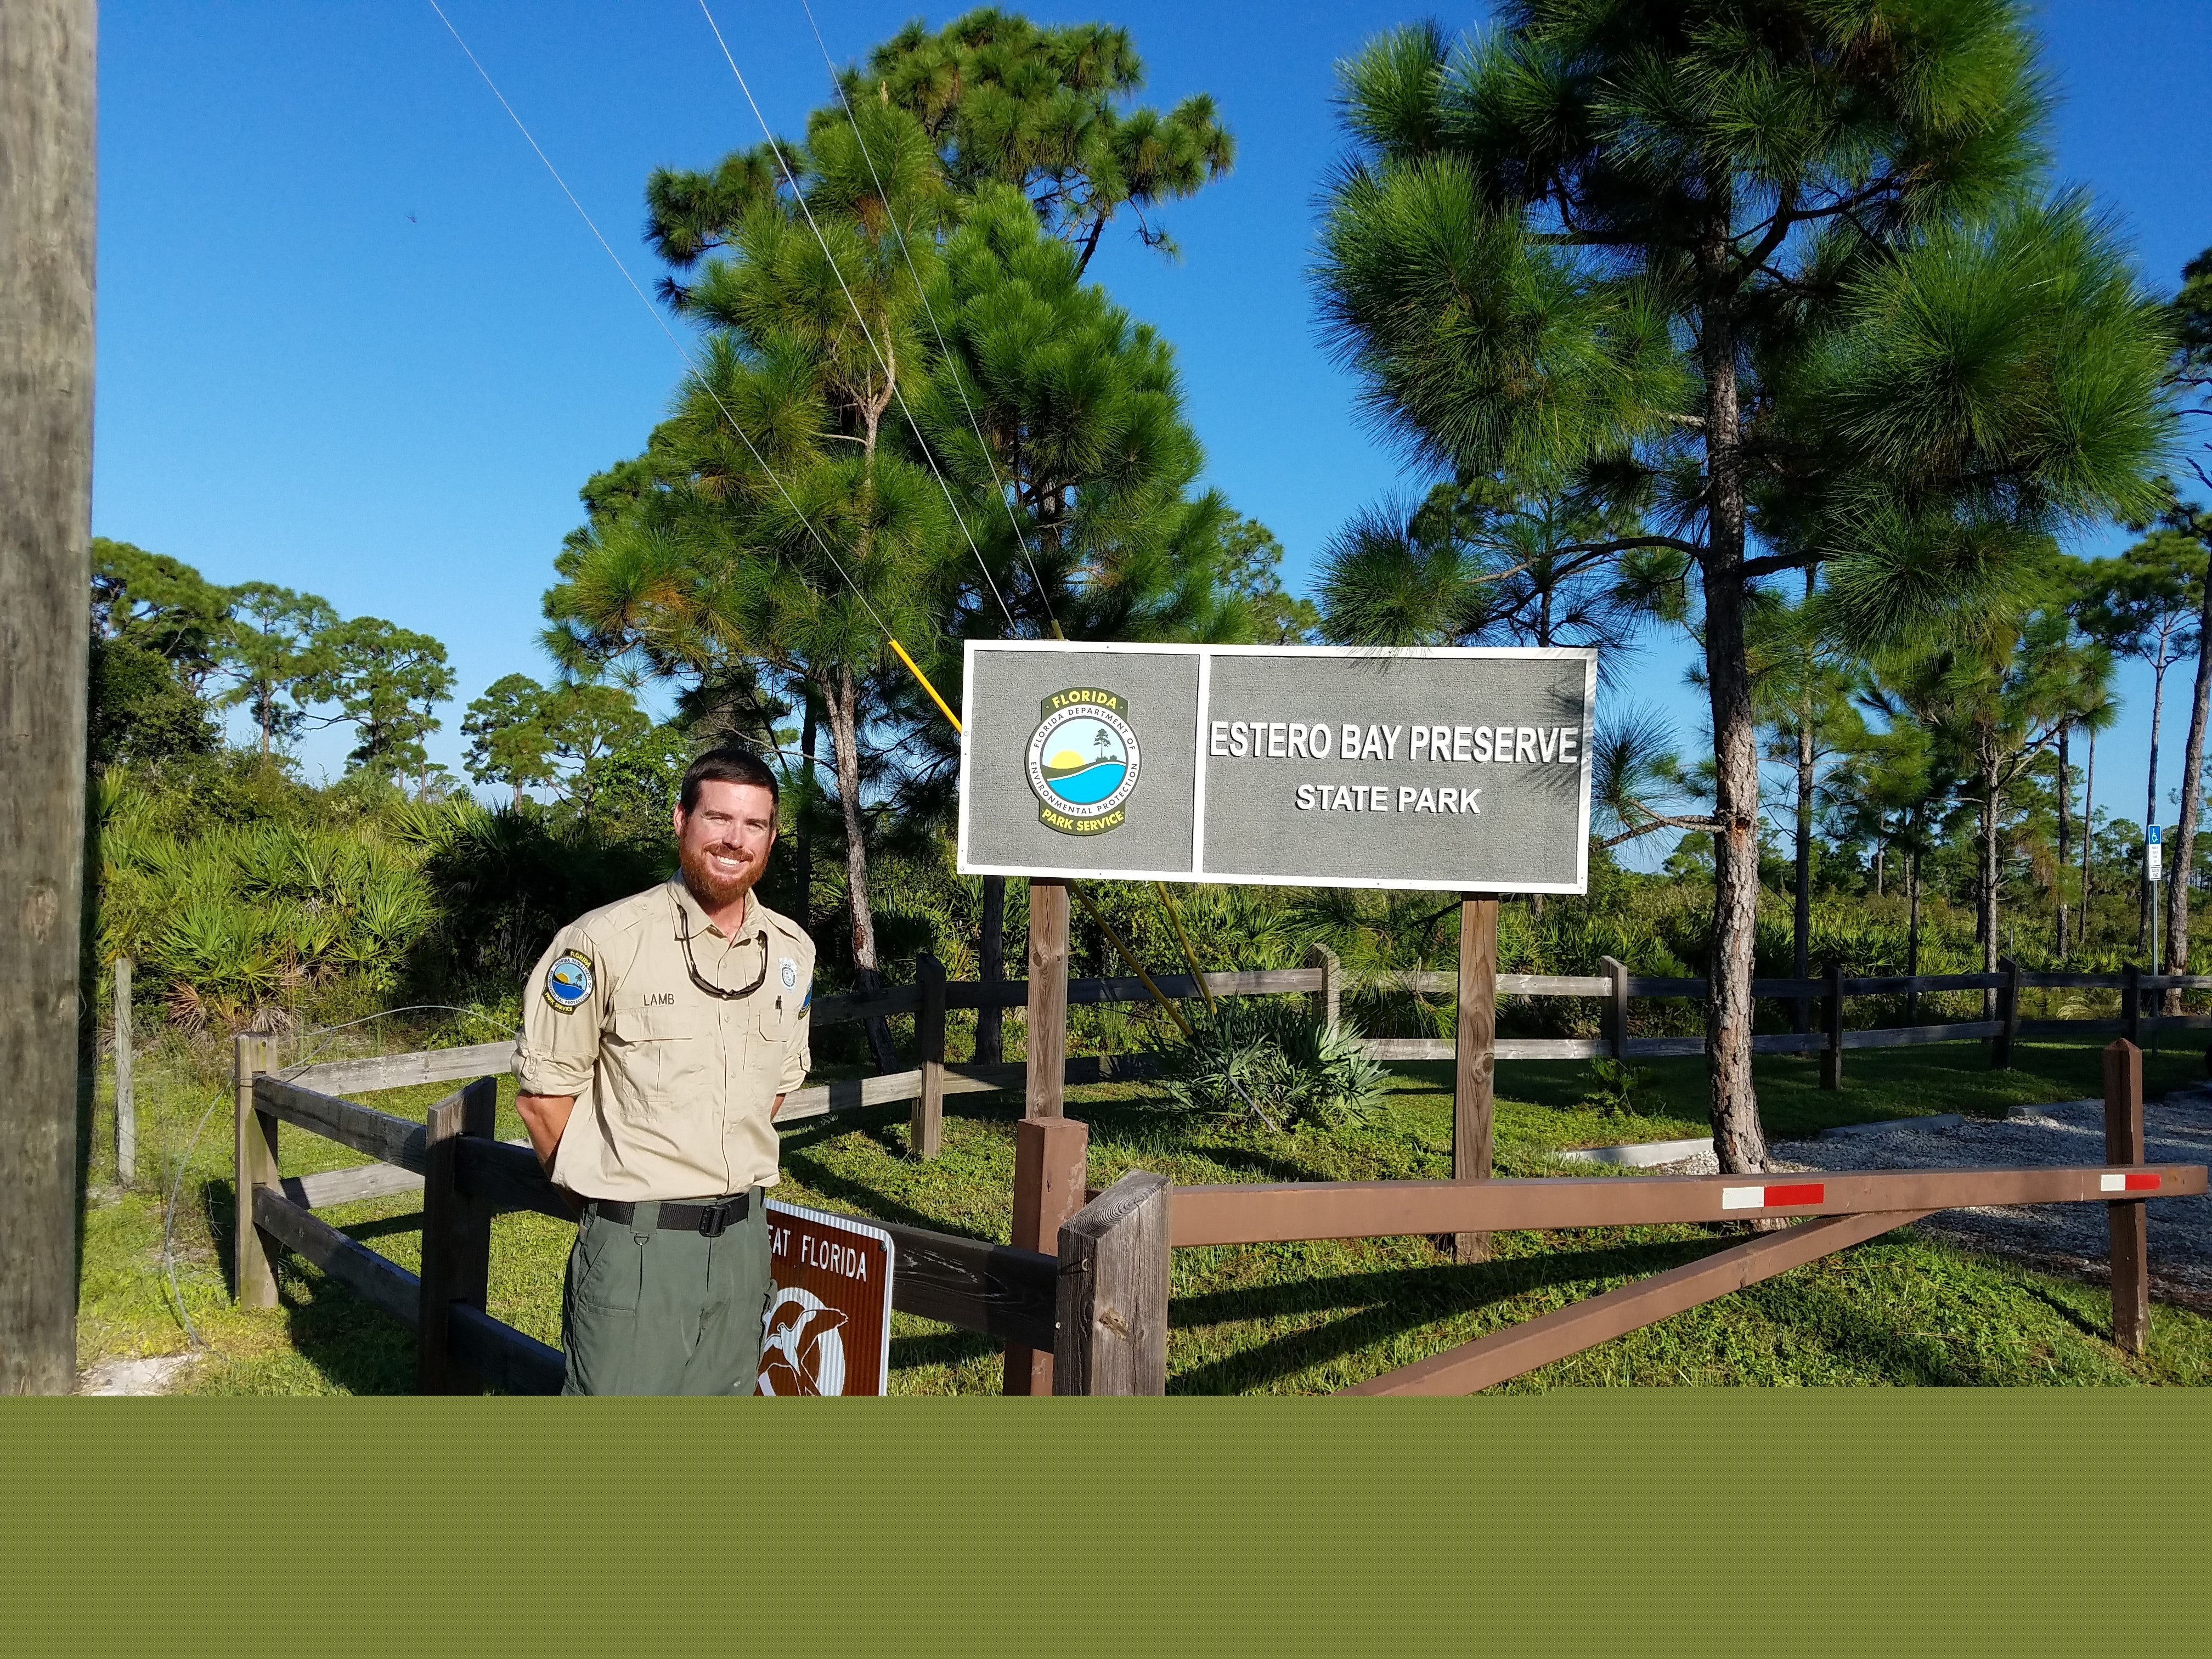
(1520, 1348)
(1256, 1214)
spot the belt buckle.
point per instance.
(713, 1221)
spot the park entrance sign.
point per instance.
(1455, 768)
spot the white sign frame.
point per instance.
(1197, 872)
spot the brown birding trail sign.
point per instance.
(829, 1326)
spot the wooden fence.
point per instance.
(1614, 985)
(1092, 1318)
(466, 1178)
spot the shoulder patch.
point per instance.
(569, 982)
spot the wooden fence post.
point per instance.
(1049, 1149)
(253, 1257)
(1052, 1159)
(127, 1093)
(2129, 1220)
(1474, 1062)
(456, 1237)
(1113, 1336)
(2131, 1003)
(1616, 1005)
(925, 1126)
(2007, 1015)
(1329, 1005)
(1832, 1057)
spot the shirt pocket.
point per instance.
(662, 1052)
(775, 1023)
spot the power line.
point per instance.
(959, 382)
(883, 358)
(681, 350)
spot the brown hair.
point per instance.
(724, 766)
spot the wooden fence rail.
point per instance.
(933, 1074)
(398, 1145)
(1010, 1296)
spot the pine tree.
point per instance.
(1005, 101)
(787, 513)
(267, 647)
(2145, 605)
(1781, 277)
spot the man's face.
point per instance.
(723, 843)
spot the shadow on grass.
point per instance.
(947, 1348)
(358, 1348)
(2058, 1305)
(870, 1203)
(1393, 1303)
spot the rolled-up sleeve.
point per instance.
(563, 1007)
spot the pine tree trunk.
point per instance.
(1738, 1138)
(1801, 922)
(2192, 785)
(991, 954)
(843, 698)
(1912, 934)
(2150, 814)
(2088, 834)
(809, 745)
(1985, 908)
(2065, 792)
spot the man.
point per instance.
(660, 1035)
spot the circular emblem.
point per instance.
(568, 981)
(790, 973)
(801, 1352)
(1083, 761)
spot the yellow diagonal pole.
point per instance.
(1130, 956)
(1175, 919)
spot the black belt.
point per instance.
(709, 1220)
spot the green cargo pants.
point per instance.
(649, 1311)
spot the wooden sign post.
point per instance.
(2129, 1220)
(1051, 1150)
(1474, 1062)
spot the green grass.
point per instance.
(1287, 1318)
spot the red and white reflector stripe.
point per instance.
(2127, 1183)
(1779, 1197)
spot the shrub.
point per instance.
(1266, 1060)
(1610, 1087)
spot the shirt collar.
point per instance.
(694, 917)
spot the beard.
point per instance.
(708, 887)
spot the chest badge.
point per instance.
(788, 970)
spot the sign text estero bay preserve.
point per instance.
(1456, 769)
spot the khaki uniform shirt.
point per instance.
(673, 1086)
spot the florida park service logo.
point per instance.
(1083, 761)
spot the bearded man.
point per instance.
(660, 1036)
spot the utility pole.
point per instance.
(46, 180)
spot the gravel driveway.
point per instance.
(2065, 1238)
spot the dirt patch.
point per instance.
(158, 1375)
(2062, 1237)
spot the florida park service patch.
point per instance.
(569, 982)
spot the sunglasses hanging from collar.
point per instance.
(691, 963)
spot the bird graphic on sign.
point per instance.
(801, 1353)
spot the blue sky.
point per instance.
(352, 339)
